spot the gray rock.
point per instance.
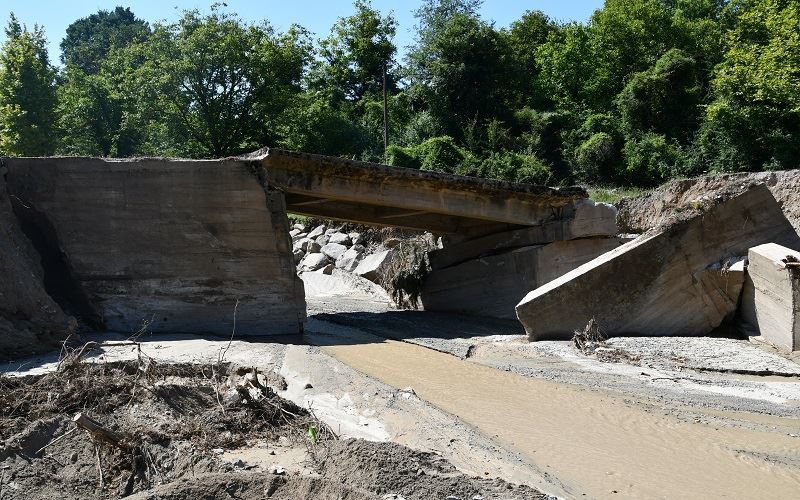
(340, 238)
(356, 238)
(326, 269)
(300, 227)
(317, 232)
(298, 255)
(350, 259)
(334, 250)
(294, 232)
(330, 231)
(323, 240)
(313, 261)
(372, 265)
(313, 247)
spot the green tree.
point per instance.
(358, 50)
(27, 93)
(218, 86)
(663, 99)
(754, 121)
(90, 39)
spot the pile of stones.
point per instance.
(323, 249)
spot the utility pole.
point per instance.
(385, 118)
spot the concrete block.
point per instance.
(771, 300)
(658, 284)
(587, 219)
(177, 242)
(491, 286)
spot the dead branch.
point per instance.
(98, 432)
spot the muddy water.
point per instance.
(593, 441)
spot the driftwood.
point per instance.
(98, 432)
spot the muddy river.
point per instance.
(597, 443)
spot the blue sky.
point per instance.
(316, 15)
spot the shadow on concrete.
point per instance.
(410, 325)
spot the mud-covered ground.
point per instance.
(175, 424)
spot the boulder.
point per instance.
(334, 250)
(313, 247)
(294, 232)
(317, 232)
(340, 238)
(771, 299)
(301, 244)
(313, 261)
(298, 237)
(391, 242)
(356, 238)
(299, 227)
(322, 240)
(372, 265)
(349, 260)
(660, 284)
(326, 269)
(298, 255)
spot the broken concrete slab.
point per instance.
(657, 285)
(771, 300)
(492, 286)
(586, 219)
(30, 320)
(173, 243)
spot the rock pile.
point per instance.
(323, 249)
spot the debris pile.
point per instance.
(147, 430)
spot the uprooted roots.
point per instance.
(592, 341)
(156, 409)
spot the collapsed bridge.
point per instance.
(187, 245)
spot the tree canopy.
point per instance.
(644, 91)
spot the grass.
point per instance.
(613, 194)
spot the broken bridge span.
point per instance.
(182, 244)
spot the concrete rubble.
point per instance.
(671, 281)
(486, 275)
(771, 298)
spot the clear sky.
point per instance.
(316, 15)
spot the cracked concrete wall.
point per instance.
(172, 242)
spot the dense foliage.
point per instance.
(645, 91)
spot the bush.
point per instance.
(651, 160)
(515, 167)
(596, 158)
(441, 154)
(402, 157)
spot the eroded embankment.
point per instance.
(595, 442)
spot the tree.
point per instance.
(27, 93)
(525, 36)
(663, 99)
(218, 86)
(754, 121)
(358, 51)
(90, 39)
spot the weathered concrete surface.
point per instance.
(771, 300)
(30, 320)
(175, 242)
(657, 285)
(491, 286)
(329, 187)
(583, 220)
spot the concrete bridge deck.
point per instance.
(369, 193)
